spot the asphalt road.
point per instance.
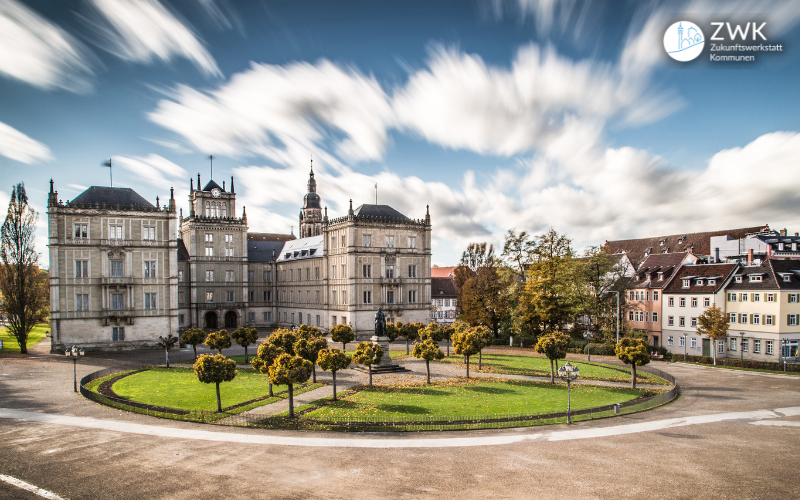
(729, 459)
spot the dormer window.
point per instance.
(738, 279)
(687, 283)
(755, 279)
(787, 278)
(660, 276)
(699, 282)
(288, 255)
(780, 247)
(712, 282)
(647, 277)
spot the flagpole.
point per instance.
(211, 159)
(376, 193)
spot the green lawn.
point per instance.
(475, 397)
(539, 366)
(179, 388)
(10, 343)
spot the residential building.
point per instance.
(763, 308)
(443, 299)
(756, 247)
(692, 290)
(443, 272)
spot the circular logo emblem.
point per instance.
(684, 41)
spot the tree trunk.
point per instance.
(552, 373)
(219, 401)
(344, 346)
(166, 353)
(406, 346)
(291, 401)
(633, 375)
(245, 354)
(334, 384)
(428, 369)
(194, 346)
(467, 366)
(270, 385)
(314, 373)
(370, 374)
(448, 348)
(480, 359)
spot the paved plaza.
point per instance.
(731, 434)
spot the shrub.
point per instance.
(245, 337)
(290, 370)
(218, 340)
(343, 334)
(368, 354)
(193, 336)
(333, 360)
(215, 370)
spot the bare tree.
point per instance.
(25, 297)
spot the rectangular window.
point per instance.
(333, 297)
(669, 340)
(81, 301)
(682, 302)
(284, 318)
(149, 300)
(755, 319)
(412, 296)
(770, 347)
(731, 297)
(681, 341)
(81, 231)
(681, 321)
(756, 297)
(318, 320)
(390, 271)
(180, 276)
(706, 302)
(390, 241)
(81, 268)
(655, 317)
(631, 295)
(743, 318)
(742, 297)
(693, 323)
(792, 320)
(647, 317)
(731, 317)
(209, 238)
(744, 345)
(291, 274)
(366, 240)
(251, 296)
(770, 297)
(671, 302)
(308, 273)
(792, 298)
(114, 232)
(230, 296)
(228, 238)
(267, 276)
(655, 295)
(251, 317)
(412, 242)
(181, 297)
(229, 252)
(412, 271)
(267, 296)
(447, 303)
(670, 320)
(721, 347)
(694, 301)
(117, 302)
(149, 233)
(209, 275)
(209, 251)
(209, 296)
(267, 316)
(390, 297)
(251, 276)
(693, 343)
(316, 273)
(149, 269)
(732, 346)
(118, 334)
(333, 272)
(768, 319)
(180, 320)
(228, 276)
(116, 269)
(366, 271)
(757, 347)
(367, 297)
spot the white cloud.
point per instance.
(267, 110)
(35, 51)
(143, 30)
(18, 146)
(153, 169)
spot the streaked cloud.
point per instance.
(143, 31)
(18, 146)
(153, 169)
(37, 52)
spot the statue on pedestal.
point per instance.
(380, 323)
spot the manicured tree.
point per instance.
(368, 354)
(245, 337)
(218, 340)
(467, 343)
(264, 358)
(394, 330)
(167, 343)
(193, 336)
(290, 370)
(411, 332)
(333, 360)
(633, 352)
(428, 350)
(308, 349)
(308, 332)
(485, 336)
(284, 339)
(432, 331)
(554, 346)
(215, 370)
(343, 334)
(713, 323)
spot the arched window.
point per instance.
(214, 210)
(224, 209)
(208, 209)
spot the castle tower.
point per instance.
(311, 215)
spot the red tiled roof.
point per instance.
(443, 287)
(666, 263)
(697, 243)
(719, 271)
(442, 272)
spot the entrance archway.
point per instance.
(230, 319)
(210, 320)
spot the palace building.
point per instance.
(124, 271)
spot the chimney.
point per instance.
(749, 256)
(198, 182)
(783, 232)
(232, 190)
(769, 251)
(223, 185)
(716, 254)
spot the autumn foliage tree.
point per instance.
(24, 290)
(215, 370)
(218, 340)
(289, 370)
(467, 343)
(309, 349)
(245, 337)
(368, 354)
(632, 352)
(428, 350)
(554, 346)
(193, 337)
(481, 289)
(713, 323)
(343, 334)
(284, 339)
(333, 360)
(265, 356)
(411, 332)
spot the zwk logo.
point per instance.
(684, 41)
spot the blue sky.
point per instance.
(498, 114)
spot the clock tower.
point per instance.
(311, 214)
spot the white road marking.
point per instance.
(29, 487)
(394, 442)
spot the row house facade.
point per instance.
(443, 300)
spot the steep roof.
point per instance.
(302, 248)
(442, 288)
(262, 251)
(270, 237)
(666, 263)
(697, 243)
(442, 272)
(378, 211)
(211, 185)
(720, 272)
(772, 272)
(111, 196)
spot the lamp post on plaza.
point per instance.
(74, 353)
(685, 347)
(784, 353)
(741, 346)
(569, 373)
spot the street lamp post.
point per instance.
(741, 346)
(784, 353)
(73, 352)
(684, 347)
(569, 373)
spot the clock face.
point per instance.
(215, 192)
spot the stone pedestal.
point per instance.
(386, 360)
